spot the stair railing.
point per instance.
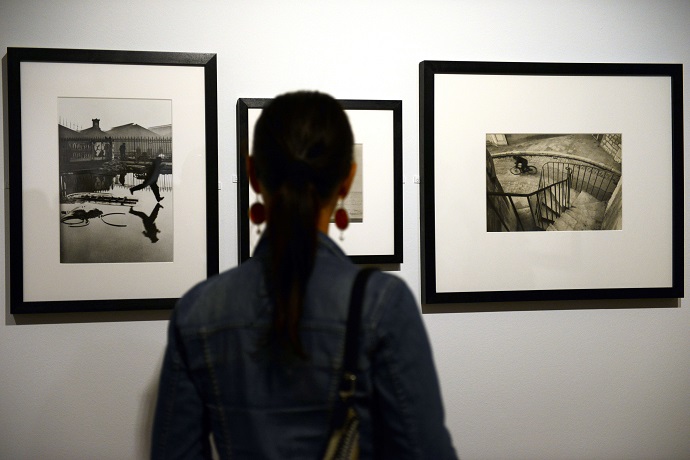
(598, 182)
(552, 196)
(537, 209)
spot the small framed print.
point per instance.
(374, 203)
(113, 178)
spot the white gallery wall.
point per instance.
(534, 384)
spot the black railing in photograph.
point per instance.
(598, 182)
(551, 201)
(143, 148)
(74, 149)
(545, 205)
(553, 195)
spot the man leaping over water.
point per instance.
(151, 178)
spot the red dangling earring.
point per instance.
(342, 220)
(257, 214)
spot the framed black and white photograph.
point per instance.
(374, 202)
(523, 190)
(554, 182)
(113, 178)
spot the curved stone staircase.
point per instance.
(585, 213)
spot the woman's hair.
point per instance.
(302, 152)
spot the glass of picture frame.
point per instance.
(470, 108)
(374, 235)
(112, 178)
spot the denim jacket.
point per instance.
(219, 378)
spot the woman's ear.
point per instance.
(251, 173)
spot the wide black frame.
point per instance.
(429, 70)
(15, 57)
(394, 106)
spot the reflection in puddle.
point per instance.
(104, 221)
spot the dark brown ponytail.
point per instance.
(302, 152)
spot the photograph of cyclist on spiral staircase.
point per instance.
(553, 182)
(115, 180)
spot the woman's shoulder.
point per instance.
(388, 291)
(211, 301)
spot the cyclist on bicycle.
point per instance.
(520, 163)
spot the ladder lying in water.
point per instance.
(106, 198)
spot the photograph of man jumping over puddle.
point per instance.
(115, 180)
(554, 182)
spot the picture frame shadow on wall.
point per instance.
(523, 197)
(112, 178)
(374, 203)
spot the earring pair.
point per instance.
(257, 215)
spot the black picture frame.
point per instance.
(461, 102)
(386, 127)
(39, 282)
